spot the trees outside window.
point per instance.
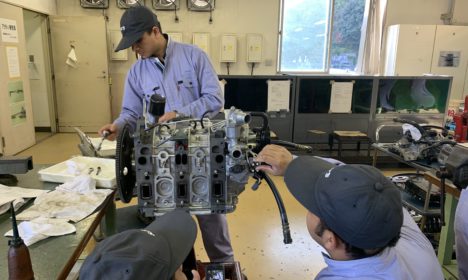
(319, 35)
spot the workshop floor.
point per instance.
(255, 226)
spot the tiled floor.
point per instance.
(255, 226)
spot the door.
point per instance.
(16, 118)
(79, 53)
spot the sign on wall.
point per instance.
(17, 105)
(9, 30)
(13, 62)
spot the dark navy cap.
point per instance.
(155, 252)
(357, 202)
(134, 23)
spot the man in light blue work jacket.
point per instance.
(182, 74)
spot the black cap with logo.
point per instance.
(357, 202)
(134, 23)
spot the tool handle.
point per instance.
(106, 133)
(19, 263)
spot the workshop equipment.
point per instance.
(454, 168)
(19, 260)
(13, 165)
(105, 133)
(461, 124)
(200, 165)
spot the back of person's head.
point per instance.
(151, 253)
(134, 22)
(356, 202)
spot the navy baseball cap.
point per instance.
(155, 252)
(134, 23)
(357, 202)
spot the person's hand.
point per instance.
(180, 275)
(276, 157)
(196, 276)
(112, 128)
(167, 117)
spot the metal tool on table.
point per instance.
(19, 260)
(105, 133)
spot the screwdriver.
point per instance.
(105, 133)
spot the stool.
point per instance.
(348, 137)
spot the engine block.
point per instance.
(200, 165)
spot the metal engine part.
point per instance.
(427, 148)
(200, 165)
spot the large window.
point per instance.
(321, 35)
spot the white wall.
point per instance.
(416, 11)
(47, 7)
(239, 17)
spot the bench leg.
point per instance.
(339, 148)
(330, 141)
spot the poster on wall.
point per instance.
(278, 95)
(13, 62)
(341, 97)
(15, 91)
(18, 113)
(9, 30)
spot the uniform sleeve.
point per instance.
(210, 99)
(132, 103)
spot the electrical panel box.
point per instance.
(114, 38)
(228, 48)
(254, 48)
(202, 40)
(176, 36)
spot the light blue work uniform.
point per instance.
(190, 85)
(186, 79)
(412, 258)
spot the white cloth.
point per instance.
(415, 133)
(75, 168)
(42, 228)
(73, 200)
(81, 184)
(72, 60)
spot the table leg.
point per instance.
(374, 159)
(340, 146)
(447, 235)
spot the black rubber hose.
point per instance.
(440, 143)
(292, 145)
(284, 217)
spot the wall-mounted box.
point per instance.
(228, 50)
(176, 36)
(202, 40)
(114, 38)
(254, 48)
